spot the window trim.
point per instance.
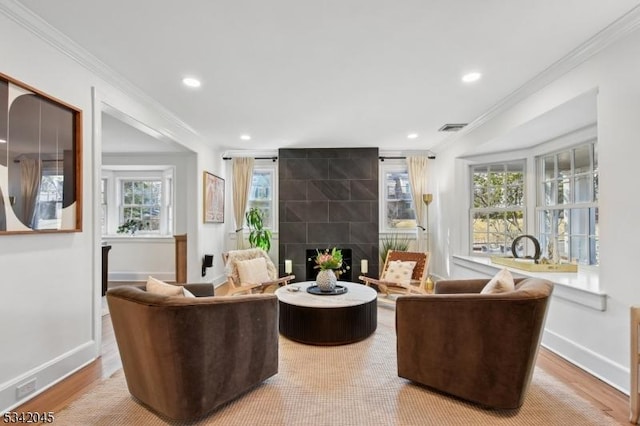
(390, 166)
(114, 177)
(472, 210)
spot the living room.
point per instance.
(583, 94)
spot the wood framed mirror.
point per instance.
(40, 161)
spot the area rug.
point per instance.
(353, 384)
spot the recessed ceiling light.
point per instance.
(191, 82)
(245, 137)
(471, 77)
(412, 136)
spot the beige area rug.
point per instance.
(344, 385)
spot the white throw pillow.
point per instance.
(502, 282)
(253, 271)
(399, 272)
(156, 286)
(187, 293)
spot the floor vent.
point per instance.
(452, 127)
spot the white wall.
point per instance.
(597, 341)
(50, 316)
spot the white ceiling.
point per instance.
(329, 73)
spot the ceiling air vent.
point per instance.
(453, 127)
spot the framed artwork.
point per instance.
(213, 198)
(40, 161)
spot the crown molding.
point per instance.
(614, 32)
(24, 17)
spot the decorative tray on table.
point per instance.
(340, 289)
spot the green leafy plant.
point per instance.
(259, 236)
(395, 242)
(130, 227)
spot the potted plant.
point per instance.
(130, 227)
(394, 242)
(259, 236)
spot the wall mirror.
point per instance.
(40, 161)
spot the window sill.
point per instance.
(138, 238)
(582, 287)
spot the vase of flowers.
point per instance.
(328, 261)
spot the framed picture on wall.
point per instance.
(40, 161)
(213, 198)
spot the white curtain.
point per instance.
(242, 177)
(31, 175)
(417, 166)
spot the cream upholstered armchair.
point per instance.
(403, 272)
(252, 271)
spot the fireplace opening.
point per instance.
(344, 273)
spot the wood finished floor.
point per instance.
(612, 402)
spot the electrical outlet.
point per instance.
(26, 388)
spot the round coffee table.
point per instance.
(327, 319)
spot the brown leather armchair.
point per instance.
(478, 347)
(183, 357)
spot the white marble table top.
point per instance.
(358, 294)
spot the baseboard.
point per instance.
(595, 364)
(141, 276)
(47, 375)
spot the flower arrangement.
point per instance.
(328, 259)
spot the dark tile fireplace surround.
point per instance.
(328, 197)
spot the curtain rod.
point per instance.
(382, 158)
(274, 159)
(44, 161)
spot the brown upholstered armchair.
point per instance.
(478, 347)
(184, 357)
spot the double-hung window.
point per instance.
(497, 206)
(567, 205)
(261, 195)
(143, 195)
(398, 210)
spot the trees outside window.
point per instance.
(498, 204)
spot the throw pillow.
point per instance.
(187, 293)
(253, 271)
(399, 272)
(156, 286)
(502, 282)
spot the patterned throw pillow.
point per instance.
(399, 272)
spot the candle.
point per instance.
(364, 266)
(288, 266)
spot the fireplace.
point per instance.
(345, 273)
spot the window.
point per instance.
(140, 193)
(49, 207)
(141, 201)
(398, 202)
(497, 206)
(261, 194)
(568, 204)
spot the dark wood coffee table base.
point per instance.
(328, 326)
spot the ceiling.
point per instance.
(329, 73)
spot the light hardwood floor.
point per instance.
(611, 401)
